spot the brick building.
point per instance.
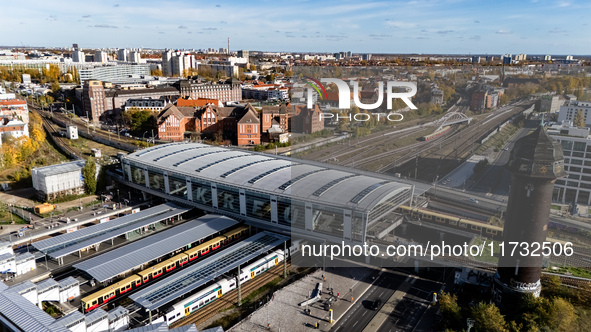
(240, 123)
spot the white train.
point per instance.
(218, 289)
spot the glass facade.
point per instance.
(156, 180)
(314, 217)
(137, 176)
(177, 186)
(201, 192)
(228, 199)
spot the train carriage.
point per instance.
(467, 224)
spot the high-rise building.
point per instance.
(100, 56)
(78, 56)
(176, 63)
(123, 54)
(134, 56)
(243, 54)
(475, 59)
(535, 163)
(547, 58)
(93, 101)
(366, 57)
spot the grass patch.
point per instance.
(68, 198)
(266, 287)
(227, 321)
(556, 207)
(575, 271)
(486, 255)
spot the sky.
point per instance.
(415, 26)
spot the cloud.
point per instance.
(504, 32)
(189, 32)
(556, 30)
(563, 4)
(422, 37)
(223, 22)
(52, 18)
(117, 5)
(182, 27)
(380, 36)
(210, 28)
(399, 24)
(86, 16)
(218, 6)
(161, 33)
(477, 21)
(126, 27)
(105, 26)
(475, 37)
(444, 32)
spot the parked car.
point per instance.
(473, 200)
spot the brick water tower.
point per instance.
(535, 163)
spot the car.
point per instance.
(473, 200)
(505, 149)
(376, 304)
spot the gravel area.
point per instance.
(283, 312)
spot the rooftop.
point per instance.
(299, 179)
(189, 279)
(73, 166)
(118, 261)
(68, 243)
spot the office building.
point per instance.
(570, 109)
(100, 56)
(123, 55)
(113, 72)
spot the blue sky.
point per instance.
(445, 27)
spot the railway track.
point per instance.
(463, 142)
(58, 139)
(230, 298)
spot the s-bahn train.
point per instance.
(436, 134)
(109, 293)
(494, 232)
(221, 287)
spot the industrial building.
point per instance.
(54, 181)
(273, 192)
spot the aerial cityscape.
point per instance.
(295, 166)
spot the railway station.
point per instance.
(91, 237)
(139, 253)
(271, 192)
(185, 281)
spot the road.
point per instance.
(360, 314)
(409, 311)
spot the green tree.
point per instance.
(141, 122)
(487, 317)
(55, 87)
(563, 317)
(579, 119)
(450, 311)
(89, 175)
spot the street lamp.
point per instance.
(144, 136)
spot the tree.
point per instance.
(487, 317)
(579, 119)
(89, 175)
(55, 87)
(141, 122)
(563, 315)
(450, 311)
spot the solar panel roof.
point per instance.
(120, 260)
(113, 227)
(195, 276)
